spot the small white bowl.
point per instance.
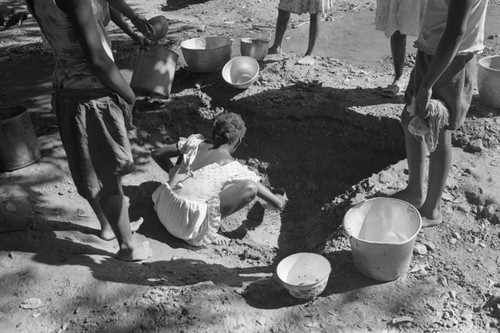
(241, 72)
(304, 274)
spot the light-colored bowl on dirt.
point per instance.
(304, 274)
(160, 24)
(241, 72)
(206, 54)
(254, 47)
(488, 80)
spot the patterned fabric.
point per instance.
(71, 68)
(434, 24)
(454, 88)
(189, 205)
(301, 6)
(404, 16)
(438, 117)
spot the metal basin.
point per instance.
(206, 54)
(241, 72)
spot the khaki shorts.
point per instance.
(454, 88)
(92, 125)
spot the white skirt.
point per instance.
(197, 223)
(404, 16)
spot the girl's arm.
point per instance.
(278, 201)
(139, 21)
(117, 18)
(162, 155)
(456, 24)
(82, 18)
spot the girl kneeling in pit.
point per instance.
(208, 184)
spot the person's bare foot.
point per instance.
(274, 50)
(220, 240)
(430, 217)
(409, 197)
(308, 60)
(107, 233)
(427, 222)
(134, 252)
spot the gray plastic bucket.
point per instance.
(154, 71)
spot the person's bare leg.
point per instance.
(415, 154)
(106, 232)
(236, 197)
(281, 26)
(233, 199)
(439, 167)
(116, 211)
(313, 37)
(398, 51)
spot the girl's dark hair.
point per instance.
(228, 128)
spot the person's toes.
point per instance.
(307, 61)
(391, 91)
(220, 240)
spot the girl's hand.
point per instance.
(283, 199)
(142, 24)
(142, 41)
(422, 101)
(281, 196)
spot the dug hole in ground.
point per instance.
(321, 132)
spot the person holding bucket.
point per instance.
(438, 97)
(93, 104)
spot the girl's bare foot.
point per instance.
(220, 240)
(107, 233)
(426, 223)
(308, 60)
(430, 217)
(274, 50)
(408, 196)
(134, 252)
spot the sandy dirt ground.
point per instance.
(323, 133)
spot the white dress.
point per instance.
(404, 16)
(189, 204)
